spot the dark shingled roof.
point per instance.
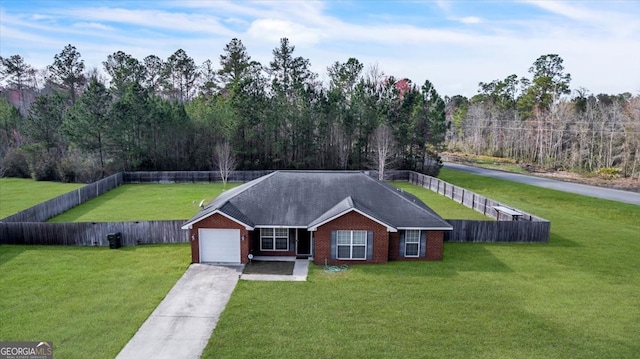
(306, 199)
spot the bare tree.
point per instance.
(342, 144)
(383, 146)
(224, 160)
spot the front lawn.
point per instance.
(18, 194)
(145, 202)
(575, 297)
(88, 301)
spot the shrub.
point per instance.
(75, 167)
(14, 164)
(609, 172)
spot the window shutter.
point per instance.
(370, 245)
(402, 244)
(333, 244)
(292, 239)
(423, 243)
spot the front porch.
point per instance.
(281, 243)
(300, 269)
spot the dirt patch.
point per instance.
(269, 267)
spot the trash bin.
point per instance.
(115, 240)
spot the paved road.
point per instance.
(180, 327)
(585, 190)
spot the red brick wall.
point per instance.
(222, 222)
(351, 221)
(435, 246)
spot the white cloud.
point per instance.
(274, 29)
(566, 10)
(92, 25)
(470, 20)
(176, 21)
(601, 54)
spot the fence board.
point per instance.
(497, 231)
(92, 234)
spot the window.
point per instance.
(351, 244)
(412, 243)
(274, 239)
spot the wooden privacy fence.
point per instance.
(190, 176)
(497, 231)
(53, 207)
(92, 234)
(527, 227)
(27, 227)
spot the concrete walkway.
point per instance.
(180, 327)
(300, 271)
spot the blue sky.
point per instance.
(454, 44)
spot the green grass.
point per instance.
(18, 194)
(575, 297)
(445, 207)
(88, 301)
(144, 202)
(180, 201)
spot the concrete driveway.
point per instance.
(583, 189)
(180, 327)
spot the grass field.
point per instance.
(144, 202)
(88, 301)
(176, 201)
(444, 206)
(18, 194)
(575, 297)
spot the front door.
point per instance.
(304, 243)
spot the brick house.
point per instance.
(337, 217)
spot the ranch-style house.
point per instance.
(337, 217)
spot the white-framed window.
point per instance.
(351, 244)
(274, 239)
(412, 243)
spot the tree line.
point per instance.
(68, 123)
(540, 121)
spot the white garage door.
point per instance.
(219, 245)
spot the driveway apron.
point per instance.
(180, 327)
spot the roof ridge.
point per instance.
(395, 191)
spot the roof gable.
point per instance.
(343, 207)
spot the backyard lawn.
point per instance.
(89, 301)
(445, 207)
(180, 201)
(145, 202)
(575, 297)
(18, 194)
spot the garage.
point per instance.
(219, 245)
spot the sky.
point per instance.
(453, 44)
